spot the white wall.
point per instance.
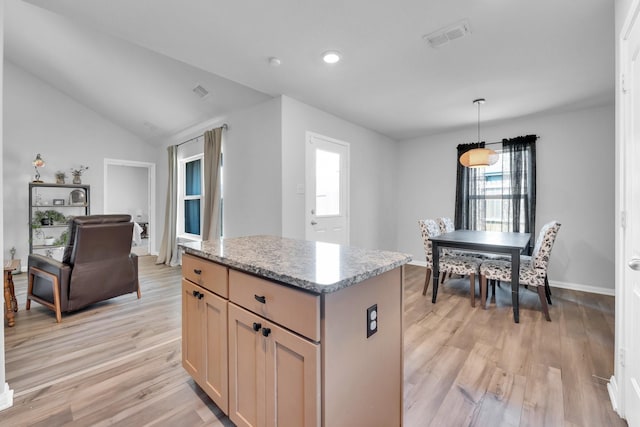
(6, 394)
(251, 168)
(40, 119)
(372, 175)
(575, 185)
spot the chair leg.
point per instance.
(139, 292)
(426, 281)
(443, 277)
(483, 291)
(29, 290)
(493, 287)
(543, 301)
(33, 271)
(472, 288)
(547, 290)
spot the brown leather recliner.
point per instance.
(97, 265)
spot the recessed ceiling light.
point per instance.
(331, 57)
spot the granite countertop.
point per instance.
(315, 266)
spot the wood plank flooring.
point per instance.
(118, 362)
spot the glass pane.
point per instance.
(192, 178)
(192, 216)
(327, 183)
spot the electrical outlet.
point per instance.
(372, 320)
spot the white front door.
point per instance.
(327, 189)
(630, 110)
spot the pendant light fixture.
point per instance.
(478, 157)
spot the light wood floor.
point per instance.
(118, 362)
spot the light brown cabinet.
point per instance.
(205, 338)
(273, 355)
(274, 374)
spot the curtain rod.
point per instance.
(500, 142)
(224, 127)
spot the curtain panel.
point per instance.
(168, 253)
(464, 188)
(211, 212)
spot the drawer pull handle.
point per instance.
(195, 294)
(266, 331)
(197, 271)
(261, 299)
(256, 326)
(200, 295)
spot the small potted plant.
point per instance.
(60, 177)
(77, 174)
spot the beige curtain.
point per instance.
(211, 212)
(168, 253)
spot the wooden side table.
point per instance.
(10, 302)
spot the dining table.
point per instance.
(512, 243)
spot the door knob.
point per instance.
(634, 264)
(313, 222)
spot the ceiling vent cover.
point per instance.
(200, 91)
(451, 32)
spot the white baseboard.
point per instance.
(612, 388)
(556, 284)
(6, 397)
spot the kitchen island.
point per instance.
(283, 332)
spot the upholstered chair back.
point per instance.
(446, 225)
(544, 244)
(428, 228)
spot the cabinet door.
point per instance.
(192, 335)
(204, 341)
(214, 322)
(292, 380)
(246, 368)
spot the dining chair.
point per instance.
(533, 271)
(463, 265)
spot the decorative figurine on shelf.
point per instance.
(60, 177)
(77, 174)
(38, 162)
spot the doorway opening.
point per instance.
(129, 188)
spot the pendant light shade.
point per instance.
(478, 157)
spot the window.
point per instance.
(493, 197)
(190, 207)
(501, 197)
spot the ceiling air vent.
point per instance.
(451, 32)
(200, 91)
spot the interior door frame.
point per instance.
(151, 190)
(617, 385)
(310, 192)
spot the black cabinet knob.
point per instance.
(260, 298)
(197, 271)
(200, 295)
(256, 326)
(266, 331)
(195, 293)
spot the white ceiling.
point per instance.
(137, 61)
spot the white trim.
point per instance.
(6, 397)
(612, 388)
(151, 188)
(555, 284)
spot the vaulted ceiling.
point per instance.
(137, 62)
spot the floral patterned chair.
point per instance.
(463, 265)
(533, 271)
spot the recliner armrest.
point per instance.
(50, 265)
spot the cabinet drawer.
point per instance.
(296, 310)
(208, 274)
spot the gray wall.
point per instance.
(372, 175)
(575, 157)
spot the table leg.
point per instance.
(8, 299)
(515, 284)
(436, 270)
